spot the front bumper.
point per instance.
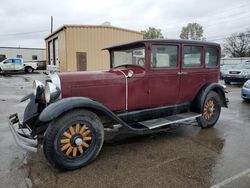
(235, 78)
(22, 134)
(245, 93)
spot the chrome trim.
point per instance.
(126, 95)
(37, 85)
(56, 80)
(23, 142)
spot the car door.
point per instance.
(18, 64)
(164, 79)
(193, 73)
(9, 64)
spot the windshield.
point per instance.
(133, 56)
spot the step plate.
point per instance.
(178, 118)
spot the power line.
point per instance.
(202, 18)
(26, 33)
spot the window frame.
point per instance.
(32, 57)
(165, 68)
(124, 49)
(218, 57)
(202, 56)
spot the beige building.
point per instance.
(79, 47)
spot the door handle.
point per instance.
(182, 73)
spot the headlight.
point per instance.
(247, 85)
(52, 92)
(245, 73)
(38, 87)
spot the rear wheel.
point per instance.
(74, 140)
(211, 110)
(29, 69)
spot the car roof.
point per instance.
(178, 41)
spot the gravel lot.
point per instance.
(186, 156)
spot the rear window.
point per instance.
(192, 56)
(211, 57)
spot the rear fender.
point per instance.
(197, 104)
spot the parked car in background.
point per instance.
(224, 69)
(245, 91)
(17, 64)
(239, 73)
(150, 85)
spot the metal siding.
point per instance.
(26, 53)
(92, 40)
(61, 49)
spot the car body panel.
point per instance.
(148, 87)
(239, 73)
(245, 90)
(16, 64)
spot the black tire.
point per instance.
(29, 69)
(54, 135)
(210, 112)
(247, 100)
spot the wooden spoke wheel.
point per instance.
(210, 111)
(73, 140)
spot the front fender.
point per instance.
(56, 109)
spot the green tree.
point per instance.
(238, 44)
(193, 31)
(152, 33)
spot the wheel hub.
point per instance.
(75, 140)
(78, 141)
(209, 109)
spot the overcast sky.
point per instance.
(26, 23)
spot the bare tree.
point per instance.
(238, 44)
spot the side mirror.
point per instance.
(130, 73)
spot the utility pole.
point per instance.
(51, 24)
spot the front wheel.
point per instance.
(73, 140)
(211, 110)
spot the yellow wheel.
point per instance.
(73, 140)
(210, 111)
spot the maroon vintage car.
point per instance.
(150, 85)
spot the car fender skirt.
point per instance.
(201, 96)
(54, 110)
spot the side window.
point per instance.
(34, 57)
(192, 56)
(18, 61)
(164, 56)
(211, 57)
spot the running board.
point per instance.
(178, 118)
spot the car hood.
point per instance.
(86, 82)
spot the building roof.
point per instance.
(22, 48)
(138, 42)
(92, 26)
